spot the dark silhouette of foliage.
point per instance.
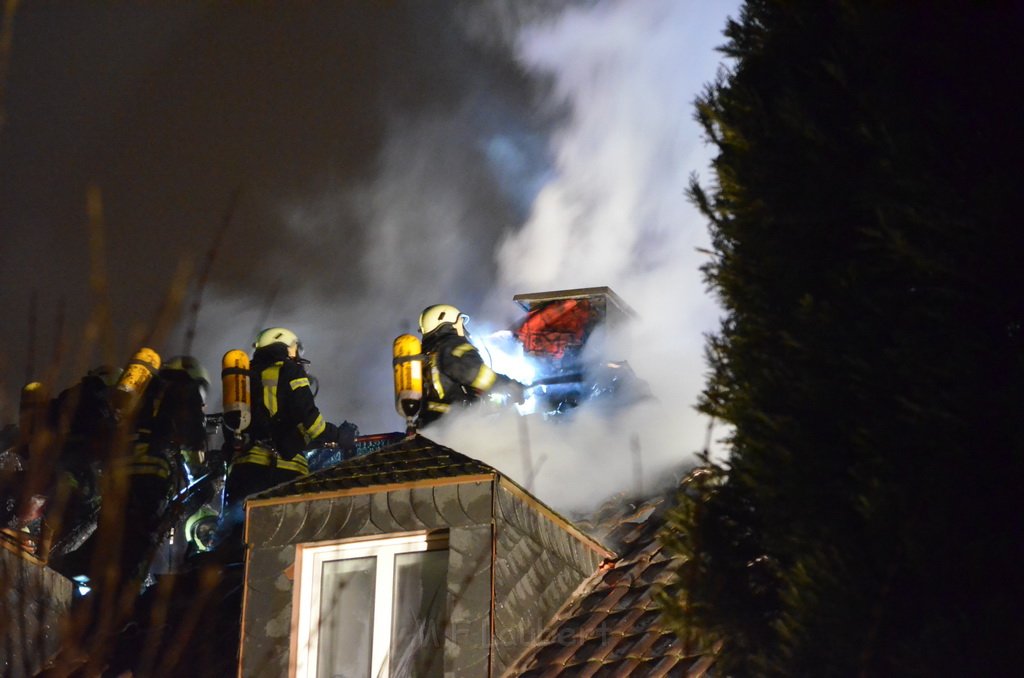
(867, 251)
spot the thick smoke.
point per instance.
(460, 157)
(381, 149)
(428, 227)
(615, 214)
(390, 156)
(468, 204)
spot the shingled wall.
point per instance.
(538, 564)
(34, 599)
(463, 509)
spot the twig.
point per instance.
(59, 342)
(6, 43)
(262, 322)
(170, 307)
(33, 321)
(204, 274)
(99, 326)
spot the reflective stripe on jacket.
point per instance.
(456, 371)
(146, 463)
(262, 456)
(284, 412)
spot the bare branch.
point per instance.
(204, 274)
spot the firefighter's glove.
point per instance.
(216, 467)
(347, 432)
(516, 392)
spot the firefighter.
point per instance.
(85, 424)
(285, 420)
(170, 441)
(456, 374)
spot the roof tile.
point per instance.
(644, 621)
(624, 669)
(587, 650)
(411, 459)
(622, 649)
(613, 625)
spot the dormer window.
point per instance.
(371, 608)
(411, 561)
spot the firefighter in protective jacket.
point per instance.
(171, 438)
(456, 374)
(285, 419)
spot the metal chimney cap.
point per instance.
(528, 301)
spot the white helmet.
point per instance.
(441, 314)
(277, 335)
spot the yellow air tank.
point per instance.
(407, 359)
(234, 377)
(32, 410)
(133, 381)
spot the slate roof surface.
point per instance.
(611, 626)
(412, 459)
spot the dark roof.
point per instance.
(612, 626)
(413, 459)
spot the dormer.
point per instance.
(414, 560)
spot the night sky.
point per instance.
(386, 156)
(170, 108)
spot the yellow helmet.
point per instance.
(277, 335)
(441, 314)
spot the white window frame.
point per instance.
(309, 562)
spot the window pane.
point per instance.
(346, 618)
(417, 630)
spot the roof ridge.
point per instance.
(414, 458)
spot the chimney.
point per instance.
(557, 327)
(558, 324)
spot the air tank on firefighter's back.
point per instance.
(407, 360)
(234, 377)
(32, 409)
(133, 381)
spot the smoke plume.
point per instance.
(614, 213)
(558, 162)
(390, 156)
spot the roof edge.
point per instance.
(589, 582)
(372, 489)
(525, 301)
(14, 541)
(563, 522)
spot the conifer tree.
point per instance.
(868, 252)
